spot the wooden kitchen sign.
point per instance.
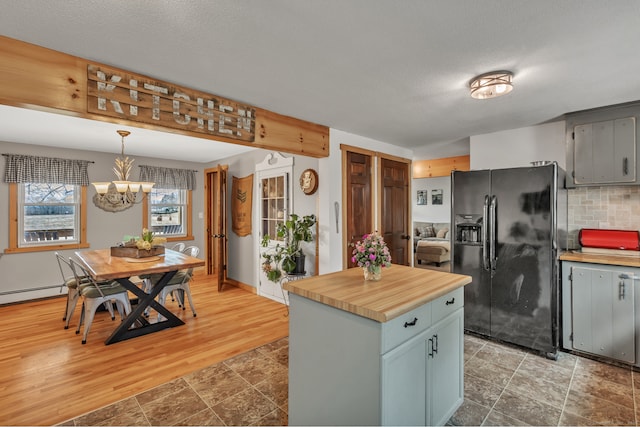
(115, 93)
(43, 79)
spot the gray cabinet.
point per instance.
(602, 309)
(422, 379)
(348, 370)
(604, 152)
(445, 373)
(602, 146)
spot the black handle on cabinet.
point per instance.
(430, 347)
(435, 344)
(625, 166)
(451, 301)
(412, 323)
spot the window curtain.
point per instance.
(20, 168)
(182, 179)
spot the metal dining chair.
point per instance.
(178, 247)
(178, 284)
(70, 281)
(96, 293)
(147, 285)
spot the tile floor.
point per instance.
(503, 386)
(248, 389)
(508, 386)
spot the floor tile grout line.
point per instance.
(256, 389)
(201, 398)
(502, 392)
(144, 414)
(252, 386)
(566, 396)
(633, 395)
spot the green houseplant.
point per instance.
(287, 255)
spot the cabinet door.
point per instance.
(404, 400)
(605, 152)
(624, 150)
(583, 154)
(603, 312)
(623, 335)
(581, 308)
(445, 370)
(603, 143)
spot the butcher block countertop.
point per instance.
(400, 290)
(596, 258)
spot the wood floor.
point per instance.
(47, 376)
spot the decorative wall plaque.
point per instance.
(309, 181)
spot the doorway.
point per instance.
(215, 190)
(372, 179)
(394, 208)
(358, 193)
(272, 191)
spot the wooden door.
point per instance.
(394, 209)
(216, 214)
(358, 195)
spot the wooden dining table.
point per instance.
(103, 266)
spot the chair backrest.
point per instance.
(191, 251)
(66, 271)
(81, 273)
(178, 247)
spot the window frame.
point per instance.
(146, 214)
(14, 215)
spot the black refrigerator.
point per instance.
(509, 225)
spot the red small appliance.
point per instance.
(628, 240)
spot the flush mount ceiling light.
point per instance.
(119, 195)
(491, 85)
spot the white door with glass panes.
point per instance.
(272, 196)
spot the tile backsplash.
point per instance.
(614, 208)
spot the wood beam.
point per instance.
(440, 167)
(38, 78)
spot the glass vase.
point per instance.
(373, 273)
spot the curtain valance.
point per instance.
(183, 179)
(22, 168)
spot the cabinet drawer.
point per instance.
(447, 304)
(408, 325)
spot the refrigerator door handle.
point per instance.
(492, 233)
(485, 234)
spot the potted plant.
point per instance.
(287, 255)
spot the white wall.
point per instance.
(330, 191)
(431, 212)
(243, 261)
(519, 147)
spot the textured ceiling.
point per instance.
(395, 71)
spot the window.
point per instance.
(168, 213)
(47, 203)
(168, 208)
(49, 214)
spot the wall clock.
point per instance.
(309, 181)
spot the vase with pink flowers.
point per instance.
(372, 254)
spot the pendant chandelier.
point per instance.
(120, 194)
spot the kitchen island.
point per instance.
(376, 353)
